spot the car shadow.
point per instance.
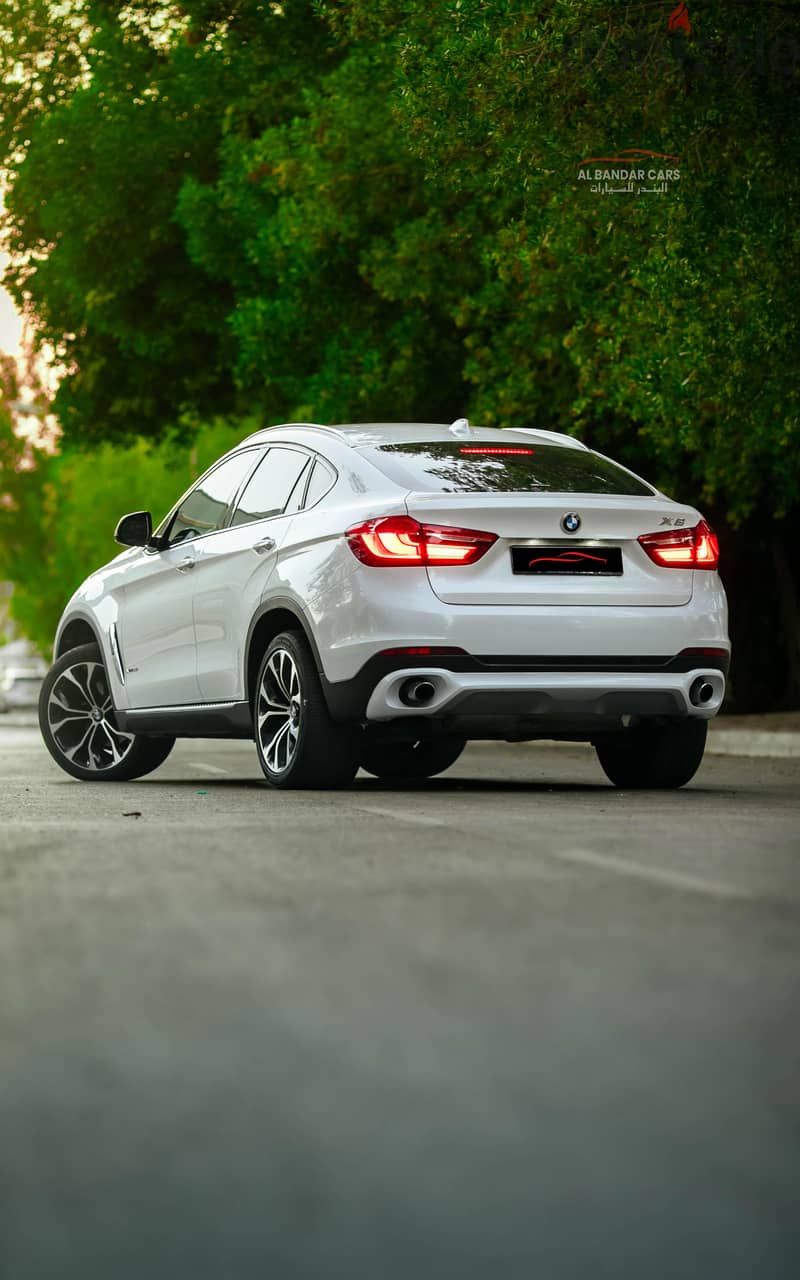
(514, 786)
(366, 786)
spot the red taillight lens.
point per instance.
(444, 545)
(696, 548)
(392, 541)
(707, 545)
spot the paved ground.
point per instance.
(506, 1024)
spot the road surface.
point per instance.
(509, 1023)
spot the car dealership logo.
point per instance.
(571, 522)
(568, 558)
(635, 171)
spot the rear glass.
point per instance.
(462, 467)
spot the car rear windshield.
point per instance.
(487, 467)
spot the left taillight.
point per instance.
(696, 548)
(393, 541)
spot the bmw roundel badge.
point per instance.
(571, 522)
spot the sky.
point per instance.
(10, 341)
(10, 322)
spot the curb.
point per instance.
(764, 744)
(775, 743)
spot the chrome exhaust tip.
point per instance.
(416, 693)
(701, 692)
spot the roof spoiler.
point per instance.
(558, 437)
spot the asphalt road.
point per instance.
(506, 1024)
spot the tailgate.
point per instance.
(534, 560)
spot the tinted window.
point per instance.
(203, 509)
(269, 488)
(322, 479)
(464, 467)
(298, 492)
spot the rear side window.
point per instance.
(477, 466)
(269, 488)
(322, 479)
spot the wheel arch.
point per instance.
(273, 617)
(76, 631)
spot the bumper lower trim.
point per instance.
(549, 696)
(348, 699)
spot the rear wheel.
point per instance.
(410, 760)
(298, 743)
(657, 756)
(79, 724)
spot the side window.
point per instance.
(322, 479)
(203, 510)
(268, 490)
(298, 492)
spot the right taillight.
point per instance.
(696, 548)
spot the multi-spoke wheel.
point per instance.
(298, 743)
(79, 724)
(279, 710)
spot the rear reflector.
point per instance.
(423, 651)
(696, 548)
(704, 653)
(392, 541)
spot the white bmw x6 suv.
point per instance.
(377, 595)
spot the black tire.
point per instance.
(410, 760)
(656, 756)
(298, 744)
(79, 725)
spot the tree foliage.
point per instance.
(369, 209)
(58, 511)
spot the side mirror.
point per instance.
(135, 530)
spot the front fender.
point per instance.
(81, 625)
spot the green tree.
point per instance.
(664, 327)
(58, 511)
(132, 103)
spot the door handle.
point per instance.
(186, 565)
(265, 544)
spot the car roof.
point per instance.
(371, 434)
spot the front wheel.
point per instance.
(298, 743)
(411, 760)
(657, 756)
(79, 725)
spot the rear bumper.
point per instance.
(519, 694)
(387, 609)
(545, 699)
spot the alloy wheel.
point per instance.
(81, 718)
(279, 711)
